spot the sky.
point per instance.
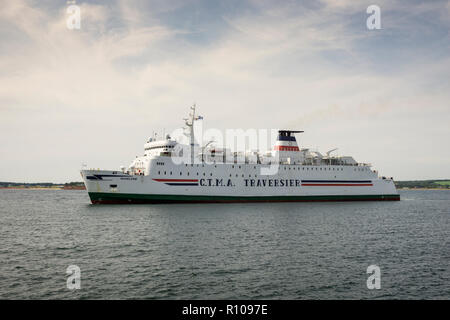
(95, 94)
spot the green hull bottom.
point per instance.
(133, 198)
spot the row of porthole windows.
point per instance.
(317, 169)
(188, 173)
(298, 168)
(204, 174)
(159, 147)
(210, 174)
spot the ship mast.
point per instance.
(190, 124)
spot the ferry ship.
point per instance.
(287, 173)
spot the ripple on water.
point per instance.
(261, 251)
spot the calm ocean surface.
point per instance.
(223, 251)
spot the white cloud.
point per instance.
(76, 96)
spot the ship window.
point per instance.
(239, 167)
(242, 176)
(204, 173)
(159, 172)
(180, 173)
(197, 173)
(164, 172)
(232, 166)
(170, 172)
(237, 176)
(210, 174)
(188, 173)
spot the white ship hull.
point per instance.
(169, 183)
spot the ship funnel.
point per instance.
(286, 141)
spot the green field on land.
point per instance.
(427, 184)
(443, 183)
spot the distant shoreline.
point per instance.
(44, 188)
(438, 184)
(423, 189)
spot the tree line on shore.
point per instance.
(40, 185)
(424, 184)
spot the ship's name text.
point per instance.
(252, 183)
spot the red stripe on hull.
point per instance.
(176, 180)
(338, 185)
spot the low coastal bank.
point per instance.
(43, 186)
